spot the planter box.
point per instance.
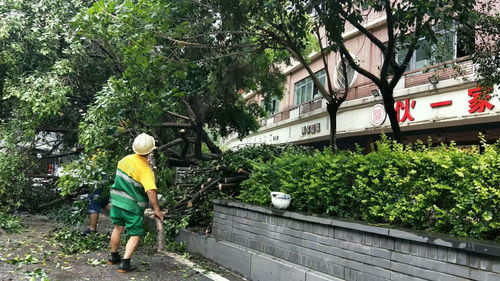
(352, 250)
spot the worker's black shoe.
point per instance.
(114, 258)
(88, 231)
(125, 266)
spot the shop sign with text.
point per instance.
(311, 129)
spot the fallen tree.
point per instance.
(67, 198)
(197, 186)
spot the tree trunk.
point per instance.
(3, 75)
(181, 163)
(172, 153)
(160, 230)
(185, 147)
(243, 172)
(209, 181)
(210, 144)
(333, 108)
(177, 125)
(227, 185)
(199, 139)
(198, 120)
(197, 195)
(391, 112)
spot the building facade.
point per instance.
(433, 98)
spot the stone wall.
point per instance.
(352, 250)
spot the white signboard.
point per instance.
(378, 115)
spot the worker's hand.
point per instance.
(159, 214)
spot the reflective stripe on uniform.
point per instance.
(141, 204)
(127, 178)
(124, 194)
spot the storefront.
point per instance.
(451, 111)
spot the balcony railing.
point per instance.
(310, 106)
(283, 115)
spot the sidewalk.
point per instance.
(38, 257)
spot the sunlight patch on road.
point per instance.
(212, 275)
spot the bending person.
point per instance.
(97, 202)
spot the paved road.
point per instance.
(56, 266)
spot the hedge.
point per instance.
(443, 189)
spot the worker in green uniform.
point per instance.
(134, 186)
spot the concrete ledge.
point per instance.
(250, 264)
(470, 245)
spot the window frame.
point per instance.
(412, 64)
(307, 83)
(335, 80)
(275, 107)
(270, 109)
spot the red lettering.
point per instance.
(479, 101)
(405, 107)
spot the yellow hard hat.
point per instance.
(143, 144)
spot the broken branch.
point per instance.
(227, 185)
(177, 125)
(235, 179)
(170, 144)
(243, 172)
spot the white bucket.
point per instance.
(280, 200)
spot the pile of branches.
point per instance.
(219, 179)
(196, 186)
(194, 191)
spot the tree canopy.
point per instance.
(98, 74)
(159, 74)
(47, 80)
(86, 77)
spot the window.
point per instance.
(466, 44)
(305, 89)
(271, 107)
(421, 56)
(446, 49)
(340, 78)
(275, 107)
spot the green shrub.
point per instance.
(10, 223)
(13, 178)
(442, 189)
(247, 156)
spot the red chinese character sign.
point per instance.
(479, 101)
(405, 107)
